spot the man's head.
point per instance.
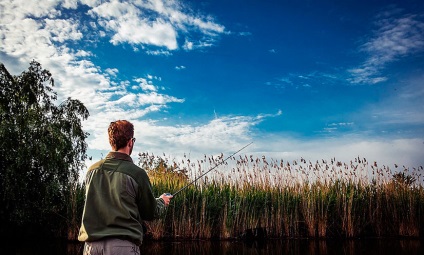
(121, 133)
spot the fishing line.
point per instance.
(220, 163)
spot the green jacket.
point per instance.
(118, 198)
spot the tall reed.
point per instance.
(274, 198)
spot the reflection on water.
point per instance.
(40, 247)
(291, 247)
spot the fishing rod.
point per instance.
(220, 163)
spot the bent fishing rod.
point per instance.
(220, 163)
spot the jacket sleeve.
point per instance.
(149, 207)
(160, 207)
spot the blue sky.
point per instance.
(311, 79)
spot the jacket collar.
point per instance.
(119, 155)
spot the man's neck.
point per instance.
(124, 150)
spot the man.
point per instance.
(118, 198)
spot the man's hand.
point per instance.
(166, 198)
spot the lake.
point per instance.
(292, 247)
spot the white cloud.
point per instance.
(188, 45)
(112, 71)
(388, 152)
(129, 24)
(395, 37)
(182, 17)
(83, 53)
(245, 33)
(113, 9)
(341, 124)
(136, 31)
(14, 11)
(207, 26)
(62, 30)
(192, 45)
(146, 85)
(218, 135)
(155, 98)
(159, 52)
(126, 100)
(308, 80)
(70, 4)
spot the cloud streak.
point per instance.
(156, 23)
(394, 38)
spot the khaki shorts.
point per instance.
(111, 246)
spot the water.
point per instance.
(291, 247)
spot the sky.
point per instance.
(300, 79)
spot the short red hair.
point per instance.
(120, 132)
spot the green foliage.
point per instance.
(42, 148)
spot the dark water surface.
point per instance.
(293, 247)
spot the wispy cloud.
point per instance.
(146, 85)
(167, 20)
(221, 134)
(394, 38)
(112, 71)
(157, 99)
(245, 33)
(127, 25)
(199, 44)
(307, 81)
(159, 52)
(333, 128)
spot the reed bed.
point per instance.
(250, 196)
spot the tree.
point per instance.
(42, 148)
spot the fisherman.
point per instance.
(118, 199)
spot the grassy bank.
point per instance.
(250, 196)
